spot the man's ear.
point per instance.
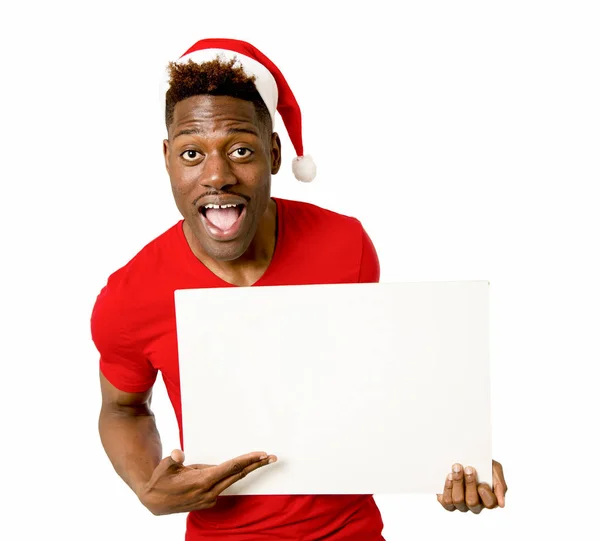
(275, 153)
(166, 152)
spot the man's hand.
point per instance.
(175, 488)
(462, 492)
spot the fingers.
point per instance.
(175, 488)
(462, 491)
(458, 488)
(446, 498)
(500, 487)
(236, 466)
(471, 495)
(488, 498)
(237, 475)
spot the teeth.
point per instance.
(211, 206)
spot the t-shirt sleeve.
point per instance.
(122, 360)
(369, 263)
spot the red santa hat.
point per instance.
(271, 85)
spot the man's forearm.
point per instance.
(132, 443)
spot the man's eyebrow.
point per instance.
(189, 131)
(230, 131)
(252, 131)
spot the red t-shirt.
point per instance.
(133, 327)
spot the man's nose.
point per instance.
(217, 172)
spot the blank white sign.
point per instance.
(357, 388)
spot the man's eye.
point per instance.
(190, 155)
(241, 152)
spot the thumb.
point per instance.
(500, 487)
(178, 456)
(499, 491)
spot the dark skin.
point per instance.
(219, 151)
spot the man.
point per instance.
(220, 154)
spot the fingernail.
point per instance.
(271, 460)
(456, 468)
(469, 470)
(449, 477)
(262, 457)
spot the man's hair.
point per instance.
(216, 78)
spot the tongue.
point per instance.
(222, 218)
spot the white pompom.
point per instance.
(305, 170)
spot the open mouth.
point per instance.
(222, 221)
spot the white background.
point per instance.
(464, 135)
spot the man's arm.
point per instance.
(129, 434)
(166, 486)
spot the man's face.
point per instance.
(220, 159)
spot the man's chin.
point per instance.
(203, 244)
(234, 251)
(220, 250)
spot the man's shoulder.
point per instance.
(325, 246)
(146, 265)
(313, 217)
